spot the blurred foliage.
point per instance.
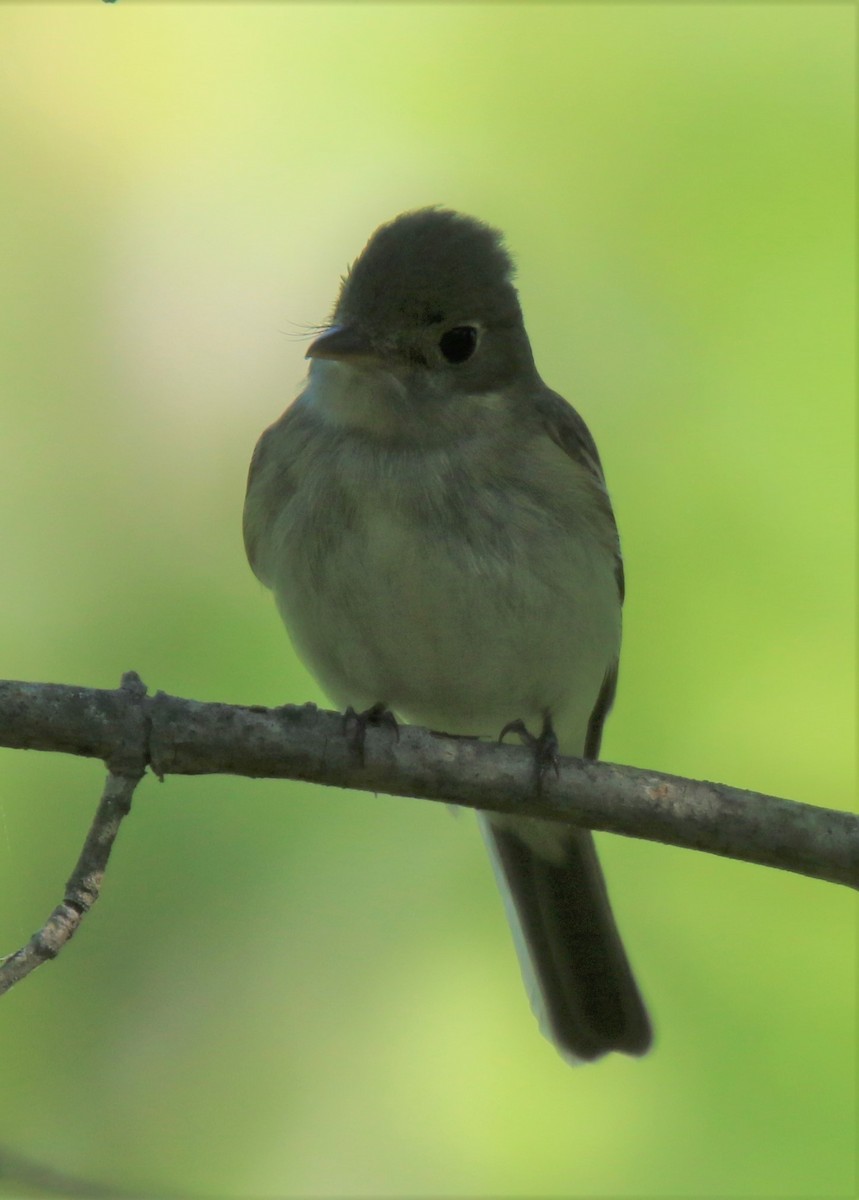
(286, 991)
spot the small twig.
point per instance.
(28, 1176)
(83, 887)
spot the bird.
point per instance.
(434, 523)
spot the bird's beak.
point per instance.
(343, 344)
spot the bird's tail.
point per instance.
(578, 976)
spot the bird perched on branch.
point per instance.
(434, 523)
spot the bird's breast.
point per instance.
(459, 597)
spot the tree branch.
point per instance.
(130, 731)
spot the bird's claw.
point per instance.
(544, 747)
(355, 725)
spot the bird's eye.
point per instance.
(459, 343)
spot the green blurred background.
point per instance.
(289, 991)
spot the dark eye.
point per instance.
(459, 343)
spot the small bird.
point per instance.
(434, 524)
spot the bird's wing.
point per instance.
(568, 430)
(269, 479)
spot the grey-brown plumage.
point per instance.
(434, 523)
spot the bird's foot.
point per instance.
(544, 746)
(355, 725)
